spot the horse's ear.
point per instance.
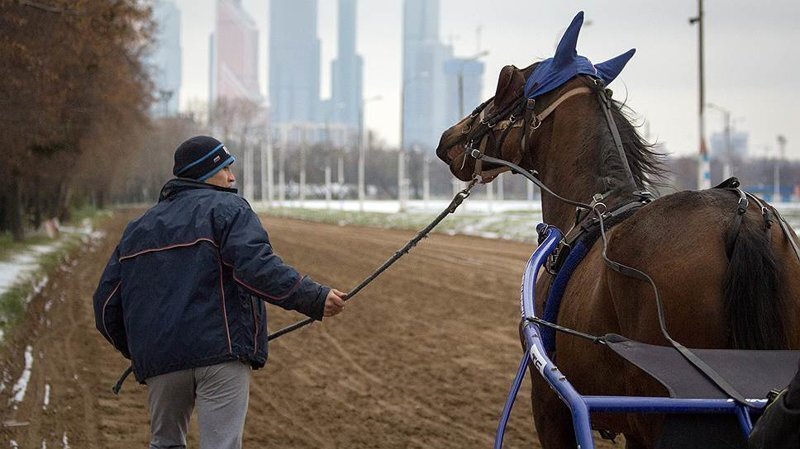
(609, 70)
(509, 82)
(567, 51)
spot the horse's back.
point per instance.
(682, 242)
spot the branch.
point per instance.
(48, 8)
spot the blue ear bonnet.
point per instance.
(567, 64)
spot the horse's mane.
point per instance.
(647, 164)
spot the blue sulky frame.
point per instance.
(580, 406)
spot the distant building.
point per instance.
(294, 62)
(346, 71)
(464, 81)
(739, 142)
(165, 62)
(234, 54)
(424, 86)
(438, 88)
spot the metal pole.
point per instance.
(248, 172)
(426, 181)
(270, 172)
(302, 166)
(704, 166)
(282, 167)
(361, 156)
(728, 168)
(401, 153)
(262, 171)
(327, 183)
(340, 179)
(779, 160)
(500, 188)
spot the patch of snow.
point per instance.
(37, 288)
(46, 401)
(64, 441)
(25, 262)
(13, 444)
(21, 386)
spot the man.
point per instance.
(779, 426)
(182, 298)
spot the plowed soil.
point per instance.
(422, 357)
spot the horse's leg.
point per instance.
(552, 418)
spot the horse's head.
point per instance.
(503, 127)
(495, 126)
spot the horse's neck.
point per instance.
(574, 167)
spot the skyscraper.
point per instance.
(423, 86)
(464, 80)
(234, 54)
(165, 62)
(294, 61)
(346, 70)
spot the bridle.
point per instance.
(517, 114)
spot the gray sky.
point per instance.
(752, 57)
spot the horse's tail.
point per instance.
(754, 300)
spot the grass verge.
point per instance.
(14, 300)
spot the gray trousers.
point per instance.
(221, 393)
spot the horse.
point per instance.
(726, 276)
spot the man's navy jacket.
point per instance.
(182, 288)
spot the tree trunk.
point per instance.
(14, 210)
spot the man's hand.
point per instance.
(333, 303)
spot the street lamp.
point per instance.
(777, 188)
(402, 180)
(704, 167)
(726, 170)
(362, 150)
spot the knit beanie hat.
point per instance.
(200, 158)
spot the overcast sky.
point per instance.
(752, 57)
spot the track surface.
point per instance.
(423, 357)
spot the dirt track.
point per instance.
(423, 357)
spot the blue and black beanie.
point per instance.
(200, 158)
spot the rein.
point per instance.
(451, 208)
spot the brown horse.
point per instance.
(714, 296)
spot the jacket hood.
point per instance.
(177, 185)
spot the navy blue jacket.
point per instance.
(183, 288)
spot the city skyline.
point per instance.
(233, 57)
(347, 70)
(166, 74)
(749, 62)
(294, 62)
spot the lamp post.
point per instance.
(776, 195)
(402, 179)
(704, 167)
(727, 170)
(362, 150)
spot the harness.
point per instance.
(598, 216)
